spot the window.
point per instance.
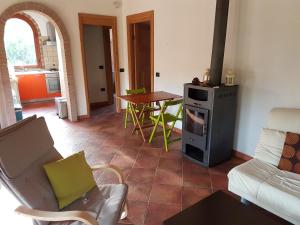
(21, 42)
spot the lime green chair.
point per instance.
(129, 108)
(164, 118)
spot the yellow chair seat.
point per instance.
(167, 117)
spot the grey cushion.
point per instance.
(104, 202)
(31, 138)
(24, 148)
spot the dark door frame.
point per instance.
(105, 21)
(133, 19)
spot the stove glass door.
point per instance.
(196, 121)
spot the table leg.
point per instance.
(132, 108)
(137, 119)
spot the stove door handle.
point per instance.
(204, 130)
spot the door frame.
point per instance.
(108, 64)
(133, 19)
(104, 21)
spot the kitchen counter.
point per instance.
(38, 85)
(33, 72)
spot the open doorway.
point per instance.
(100, 62)
(33, 65)
(97, 42)
(140, 35)
(7, 112)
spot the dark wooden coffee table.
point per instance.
(222, 209)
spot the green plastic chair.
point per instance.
(163, 118)
(129, 108)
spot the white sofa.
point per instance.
(260, 181)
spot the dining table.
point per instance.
(144, 100)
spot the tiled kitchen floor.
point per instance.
(161, 183)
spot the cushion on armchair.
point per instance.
(70, 178)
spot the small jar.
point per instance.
(230, 78)
(206, 76)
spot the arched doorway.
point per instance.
(7, 115)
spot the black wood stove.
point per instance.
(209, 111)
(208, 123)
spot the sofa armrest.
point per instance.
(111, 168)
(82, 216)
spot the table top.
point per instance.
(221, 208)
(149, 97)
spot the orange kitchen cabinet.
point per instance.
(34, 87)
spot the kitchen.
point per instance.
(33, 63)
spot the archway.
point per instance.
(7, 115)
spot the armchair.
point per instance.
(24, 148)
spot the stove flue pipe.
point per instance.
(221, 18)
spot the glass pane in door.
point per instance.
(195, 122)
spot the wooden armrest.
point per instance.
(82, 216)
(112, 168)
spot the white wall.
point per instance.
(183, 35)
(40, 20)
(60, 68)
(94, 53)
(262, 47)
(267, 64)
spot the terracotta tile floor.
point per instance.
(160, 184)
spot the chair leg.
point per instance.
(143, 119)
(126, 117)
(153, 131)
(165, 137)
(171, 128)
(132, 117)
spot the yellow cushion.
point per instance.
(70, 178)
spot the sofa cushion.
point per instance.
(281, 193)
(290, 159)
(70, 178)
(105, 202)
(248, 176)
(270, 145)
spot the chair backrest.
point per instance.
(173, 102)
(176, 102)
(136, 91)
(272, 138)
(24, 148)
